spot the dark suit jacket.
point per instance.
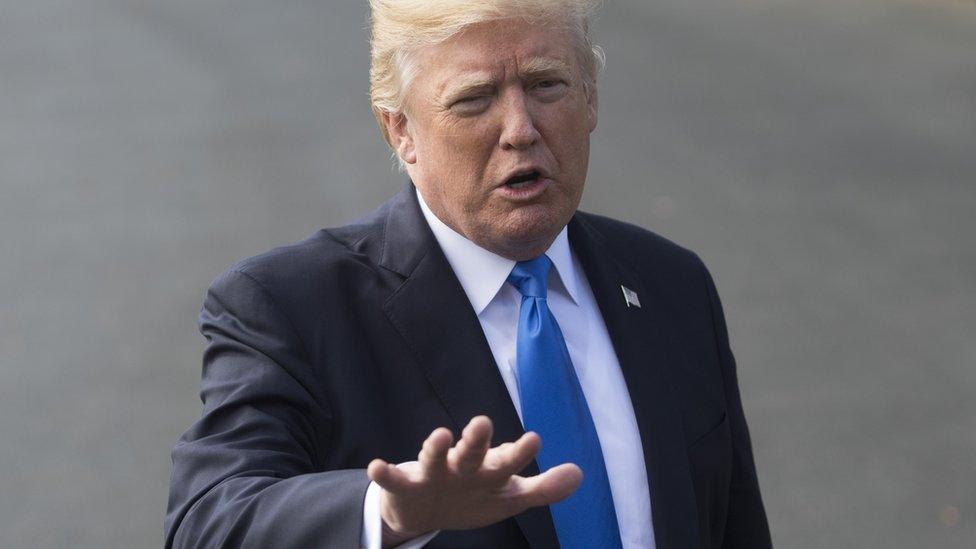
(356, 342)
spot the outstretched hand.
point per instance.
(467, 485)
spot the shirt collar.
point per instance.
(482, 273)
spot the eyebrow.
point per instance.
(541, 66)
(468, 84)
(533, 68)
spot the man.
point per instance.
(581, 364)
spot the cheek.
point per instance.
(468, 154)
(456, 162)
(455, 145)
(567, 129)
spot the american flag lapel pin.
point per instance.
(630, 297)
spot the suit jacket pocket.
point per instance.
(711, 468)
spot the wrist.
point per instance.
(391, 538)
(393, 533)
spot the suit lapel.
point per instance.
(432, 313)
(644, 350)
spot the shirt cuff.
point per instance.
(372, 535)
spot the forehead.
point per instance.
(497, 49)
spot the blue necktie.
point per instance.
(553, 405)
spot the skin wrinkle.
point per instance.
(458, 154)
(398, 30)
(534, 69)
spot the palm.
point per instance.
(469, 485)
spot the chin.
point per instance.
(530, 228)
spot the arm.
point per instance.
(248, 473)
(746, 525)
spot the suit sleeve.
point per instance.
(249, 472)
(746, 526)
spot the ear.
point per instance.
(592, 105)
(401, 137)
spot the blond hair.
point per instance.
(398, 27)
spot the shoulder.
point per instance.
(327, 258)
(643, 250)
(673, 274)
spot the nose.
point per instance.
(518, 128)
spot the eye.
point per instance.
(548, 89)
(471, 104)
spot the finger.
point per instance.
(433, 454)
(388, 476)
(475, 441)
(554, 485)
(510, 458)
(501, 449)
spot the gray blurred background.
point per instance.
(819, 155)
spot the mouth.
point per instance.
(522, 180)
(525, 185)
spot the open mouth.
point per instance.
(522, 180)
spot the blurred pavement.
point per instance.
(820, 155)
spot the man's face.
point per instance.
(496, 134)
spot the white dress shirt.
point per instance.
(483, 276)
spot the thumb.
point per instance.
(554, 485)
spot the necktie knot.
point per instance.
(531, 277)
